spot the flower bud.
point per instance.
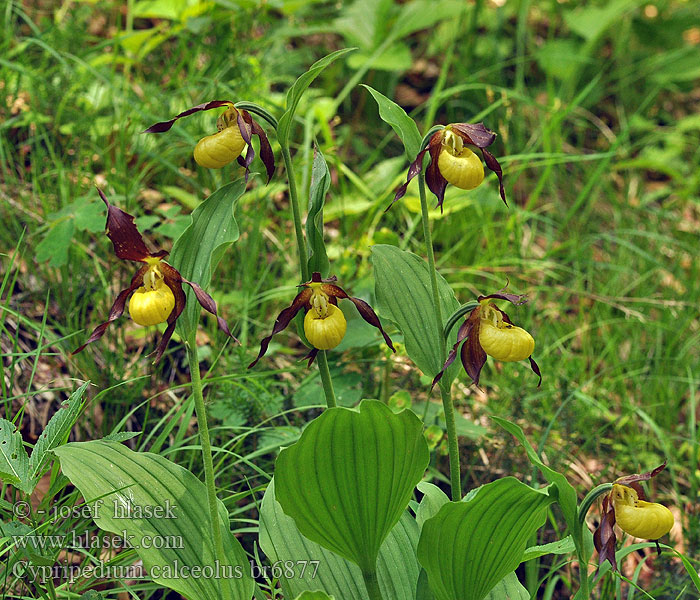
(645, 520)
(462, 169)
(326, 332)
(505, 342)
(218, 150)
(150, 306)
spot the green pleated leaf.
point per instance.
(508, 588)
(314, 596)
(297, 91)
(567, 498)
(14, 462)
(350, 476)
(563, 546)
(280, 539)
(153, 501)
(469, 546)
(405, 296)
(320, 184)
(404, 126)
(200, 247)
(56, 431)
(433, 500)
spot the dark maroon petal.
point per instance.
(368, 314)
(166, 125)
(173, 280)
(516, 299)
(629, 480)
(126, 239)
(414, 169)
(536, 369)
(117, 309)
(462, 334)
(493, 164)
(604, 538)
(266, 154)
(283, 319)
(433, 177)
(474, 133)
(244, 125)
(311, 356)
(473, 355)
(209, 305)
(365, 310)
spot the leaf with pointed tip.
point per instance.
(508, 588)
(469, 546)
(14, 462)
(320, 184)
(350, 476)
(280, 539)
(137, 483)
(405, 296)
(567, 497)
(199, 249)
(56, 431)
(404, 126)
(314, 596)
(297, 91)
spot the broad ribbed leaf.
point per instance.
(405, 296)
(56, 431)
(320, 184)
(297, 91)
(468, 547)
(14, 462)
(404, 126)
(568, 500)
(128, 484)
(433, 500)
(350, 476)
(200, 247)
(508, 588)
(397, 566)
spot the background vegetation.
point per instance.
(596, 106)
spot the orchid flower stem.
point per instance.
(203, 427)
(322, 360)
(448, 406)
(584, 507)
(296, 212)
(372, 585)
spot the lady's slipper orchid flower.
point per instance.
(235, 129)
(489, 331)
(452, 161)
(324, 323)
(626, 506)
(156, 288)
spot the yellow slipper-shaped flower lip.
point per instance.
(151, 306)
(645, 520)
(506, 343)
(327, 332)
(463, 170)
(218, 150)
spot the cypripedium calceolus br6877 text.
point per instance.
(156, 289)
(235, 129)
(324, 323)
(453, 161)
(489, 331)
(626, 507)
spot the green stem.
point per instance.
(201, 411)
(590, 498)
(322, 361)
(372, 584)
(296, 213)
(448, 406)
